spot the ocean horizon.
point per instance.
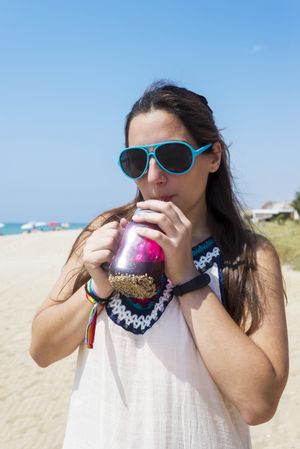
(15, 228)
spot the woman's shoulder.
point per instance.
(262, 245)
(267, 263)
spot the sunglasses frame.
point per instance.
(194, 152)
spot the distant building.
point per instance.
(270, 209)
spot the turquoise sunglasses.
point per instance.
(175, 157)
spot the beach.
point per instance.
(34, 401)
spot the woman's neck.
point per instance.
(201, 229)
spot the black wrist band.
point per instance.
(200, 281)
(97, 298)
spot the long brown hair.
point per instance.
(233, 234)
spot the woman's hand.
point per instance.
(100, 248)
(175, 238)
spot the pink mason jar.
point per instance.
(138, 265)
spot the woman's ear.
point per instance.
(216, 157)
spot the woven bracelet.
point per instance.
(96, 301)
(90, 292)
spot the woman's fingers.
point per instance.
(169, 208)
(177, 239)
(155, 235)
(124, 222)
(105, 242)
(108, 229)
(164, 215)
(104, 236)
(164, 223)
(102, 245)
(95, 259)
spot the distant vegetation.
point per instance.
(296, 202)
(285, 236)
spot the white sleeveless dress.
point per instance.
(144, 384)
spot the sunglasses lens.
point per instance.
(133, 162)
(175, 157)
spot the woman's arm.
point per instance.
(58, 327)
(250, 371)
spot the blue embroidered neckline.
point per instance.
(203, 246)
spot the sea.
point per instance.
(15, 228)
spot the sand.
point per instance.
(34, 401)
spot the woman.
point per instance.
(192, 370)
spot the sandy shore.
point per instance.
(34, 401)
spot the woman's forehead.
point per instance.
(156, 126)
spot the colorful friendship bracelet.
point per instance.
(93, 298)
(96, 301)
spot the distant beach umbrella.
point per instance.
(53, 224)
(39, 224)
(28, 226)
(2, 225)
(65, 225)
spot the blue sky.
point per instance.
(71, 70)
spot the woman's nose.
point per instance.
(155, 172)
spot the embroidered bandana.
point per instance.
(137, 316)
